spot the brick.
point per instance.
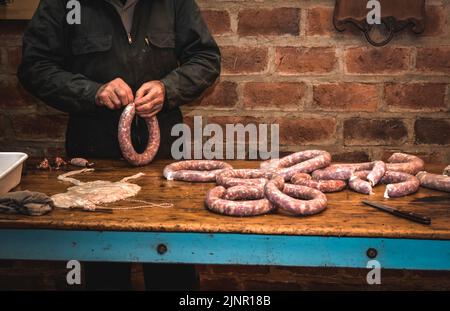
(435, 20)
(279, 21)
(284, 95)
(320, 21)
(269, 285)
(346, 97)
(34, 127)
(13, 94)
(244, 120)
(292, 60)
(239, 60)
(432, 131)
(351, 157)
(306, 130)
(218, 21)
(415, 96)
(359, 131)
(429, 156)
(221, 95)
(14, 58)
(11, 32)
(433, 59)
(3, 61)
(376, 60)
(222, 284)
(239, 269)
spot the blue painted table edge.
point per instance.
(223, 248)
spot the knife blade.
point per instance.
(406, 215)
(439, 198)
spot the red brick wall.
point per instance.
(283, 62)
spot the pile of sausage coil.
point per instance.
(296, 184)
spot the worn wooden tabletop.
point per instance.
(345, 215)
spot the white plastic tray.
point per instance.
(11, 164)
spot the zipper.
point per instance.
(130, 40)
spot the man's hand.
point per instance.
(150, 99)
(114, 94)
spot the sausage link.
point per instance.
(406, 163)
(242, 192)
(299, 162)
(124, 135)
(235, 177)
(345, 171)
(81, 162)
(325, 186)
(334, 173)
(399, 184)
(446, 171)
(434, 181)
(195, 170)
(359, 183)
(294, 199)
(216, 202)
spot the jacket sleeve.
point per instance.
(42, 70)
(198, 55)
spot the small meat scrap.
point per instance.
(447, 171)
(44, 165)
(81, 162)
(59, 162)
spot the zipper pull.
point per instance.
(147, 41)
(130, 40)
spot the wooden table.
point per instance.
(188, 233)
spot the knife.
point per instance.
(440, 198)
(406, 215)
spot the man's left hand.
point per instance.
(149, 99)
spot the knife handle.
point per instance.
(414, 217)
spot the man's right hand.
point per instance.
(114, 94)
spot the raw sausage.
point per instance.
(195, 170)
(358, 182)
(377, 172)
(446, 171)
(346, 170)
(325, 186)
(334, 172)
(434, 181)
(406, 163)
(216, 202)
(399, 184)
(299, 162)
(124, 136)
(81, 162)
(295, 199)
(250, 177)
(244, 192)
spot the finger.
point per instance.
(141, 92)
(106, 101)
(150, 115)
(114, 100)
(127, 90)
(150, 107)
(152, 95)
(122, 96)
